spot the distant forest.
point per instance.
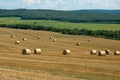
(77, 16)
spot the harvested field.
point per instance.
(52, 64)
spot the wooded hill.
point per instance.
(77, 16)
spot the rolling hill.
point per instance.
(52, 64)
(78, 16)
(109, 31)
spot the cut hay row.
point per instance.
(53, 39)
(38, 51)
(28, 51)
(24, 39)
(103, 53)
(66, 51)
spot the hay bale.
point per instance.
(17, 42)
(93, 52)
(66, 52)
(101, 53)
(37, 51)
(117, 53)
(107, 52)
(50, 37)
(89, 40)
(26, 51)
(78, 44)
(54, 40)
(39, 37)
(24, 39)
(12, 36)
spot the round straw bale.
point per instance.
(78, 44)
(54, 40)
(17, 42)
(89, 40)
(39, 37)
(12, 36)
(93, 52)
(66, 52)
(50, 37)
(24, 39)
(117, 53)
(101, 53)
(26, 51)
(107, 52)
(37, 51)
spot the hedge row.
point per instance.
(97, 33)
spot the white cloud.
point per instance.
(61, 4)
(94, 4)
(60, 1)
(30, 2)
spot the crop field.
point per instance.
(51, 64)
(65, 25)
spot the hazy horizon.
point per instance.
(61, 4)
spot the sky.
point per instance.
(60, 4)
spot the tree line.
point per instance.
(82, 16)
(85, 32)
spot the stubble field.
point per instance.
(52, 64)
